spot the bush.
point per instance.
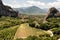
(31, 38)
(53, 25)
(44, 26)
(44, 35)
(49, 25)
(7, 22)
(56, 31)
(32, 24)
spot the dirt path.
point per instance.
(24, 31)
(21, 31)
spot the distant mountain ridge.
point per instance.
(31, 10)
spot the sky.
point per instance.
(28, 3)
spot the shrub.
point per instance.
(7, 22)
(49, 25)
(31, 38)
(44, 35)
(44, 26)
(32, 24)
(56, 31)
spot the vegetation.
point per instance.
(8, 34)
(27, 30)
(39, 38)
(6, 22)
(9, 25)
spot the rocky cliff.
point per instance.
(7, 11)
(52, 12)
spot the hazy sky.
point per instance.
(27, 3)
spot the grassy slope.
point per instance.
(24, 30)
(7, 22)
(8, 33)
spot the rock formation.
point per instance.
(52, 12)
(7, 11)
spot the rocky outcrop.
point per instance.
(52, 12)
(7, 11)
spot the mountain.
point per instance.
(31, 10)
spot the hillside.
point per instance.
(11, 28)
(31, 10)
(25, 30)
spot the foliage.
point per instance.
(8, 27)
(47, 26)
(44, 35)
(32, 24)
(8, 34)
(56, 31)
(30, 38)
(7, 22)
(19, 39)
(40, 38)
